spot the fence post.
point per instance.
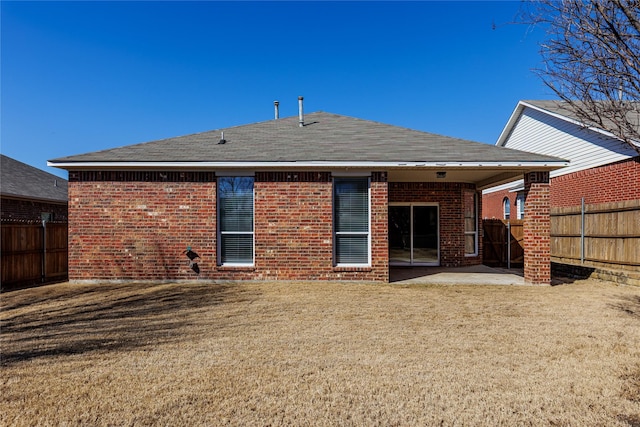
(43, 273)
(509, 244)
(582, 233)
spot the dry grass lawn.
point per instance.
(270, 354)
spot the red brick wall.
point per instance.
(135, 226)
(537, 229)
(294, 228)
(615, 182)
(126, 230)
(492, 204)
(449, 198)
(26, 210)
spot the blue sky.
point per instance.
(86, 76)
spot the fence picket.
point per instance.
(611, 236)
(23, 255)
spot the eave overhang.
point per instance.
(482, 174)
(33, 199)
(70, 166)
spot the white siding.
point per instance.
(537, 132)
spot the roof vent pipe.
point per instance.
(300, 112)
(276, 106)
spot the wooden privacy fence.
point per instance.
(502, 242)
(605, 235)
(33, 253)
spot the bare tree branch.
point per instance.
(592, 60)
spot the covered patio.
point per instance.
(469, 275)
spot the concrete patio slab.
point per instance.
(473, 275)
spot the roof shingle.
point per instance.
(325, 137)
(21, 180)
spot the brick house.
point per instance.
(315, 197)
(602, 168)
(31, 194)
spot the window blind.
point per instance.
(235, 219)
(351, 220)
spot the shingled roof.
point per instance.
(19, 180)
(325, 137)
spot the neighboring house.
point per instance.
(602, 168)
(321, 197)
(31, 194)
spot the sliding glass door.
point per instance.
(413, 234)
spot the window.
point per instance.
(520, 206)
(506, 208)
(470, 223)
(235, 220)
(351, 221)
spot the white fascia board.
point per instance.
(510, 123)
(507, 186)
(550, 165)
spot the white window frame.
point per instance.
(520, 206)
(475, 232)
(333, 211)
(219, 222)
(506, 203)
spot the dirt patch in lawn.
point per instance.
(320, 354)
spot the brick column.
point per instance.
(379, 227)
(537, 229)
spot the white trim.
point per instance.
(501, 187)
(334, 233)
(476, 232)
(510, 123)
(546, 165)
(506, 203)
(520, 213)
(219, 232)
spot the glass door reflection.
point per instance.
(413, 235)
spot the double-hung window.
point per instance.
(235, 220)
(470, 202)
(351, 221)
